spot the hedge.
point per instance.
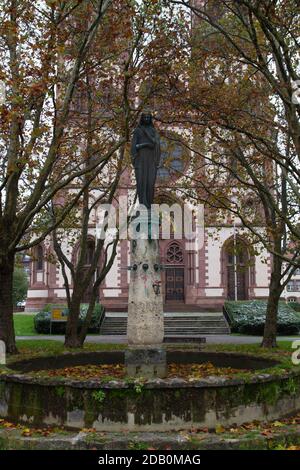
(42, 319)
(248, 317)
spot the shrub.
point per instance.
(96, 316)
(42, 319)
(42, 322)
(248, 317)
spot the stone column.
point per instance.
(145, 327)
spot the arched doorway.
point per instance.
(174, 273)
(171, 248)
(236, 261)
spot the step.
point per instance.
(184, 339)
(197, 323)
(167, 321)
(171, 317)
(176, 324)
(213, 331)
(194, 320)
(221, 330)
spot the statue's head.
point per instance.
(146, 119)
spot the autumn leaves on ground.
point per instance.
(117, 371)
(251, 431)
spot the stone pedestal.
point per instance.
(145, 325)
(148, 362)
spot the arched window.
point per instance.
(173, 159)
(39, 258)
(90, 251)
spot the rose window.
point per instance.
(174, 254)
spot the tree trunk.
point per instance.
(87, 320)
(270, 330)
(72, 337)
(7, 332)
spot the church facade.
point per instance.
(195, 276)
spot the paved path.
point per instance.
(210, 339)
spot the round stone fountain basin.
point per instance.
(157, 404)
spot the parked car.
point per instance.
(20, 307)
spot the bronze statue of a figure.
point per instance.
(145, 153)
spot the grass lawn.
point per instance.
(24, 324)
(251, 348)
(56, 347)
(52, 347)
(48, 347)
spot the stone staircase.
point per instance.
(114, 323)
(176, 324)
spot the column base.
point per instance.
(150, 362)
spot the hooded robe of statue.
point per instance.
(145, 153)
